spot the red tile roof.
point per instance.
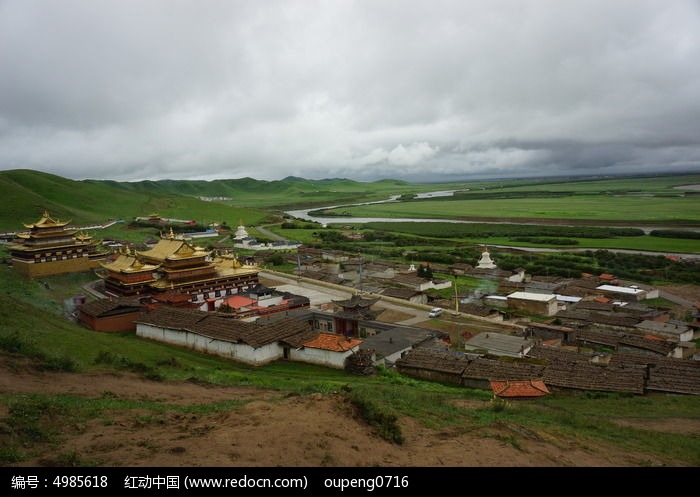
(524, 388)
(332, 342)
(606, 276)
(238, 301)
(603, 300)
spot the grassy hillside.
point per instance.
(27, 193)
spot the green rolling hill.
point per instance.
(291, 191)
(26, 193)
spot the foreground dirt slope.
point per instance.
(272, 429)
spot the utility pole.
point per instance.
(359, 256)
(456, 296)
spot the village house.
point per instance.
(421, 284)
(250, 343)
(251, 304)
(625, 342)
(110, 314)
(579, 318)
(354, 318)
(624, 293)
(498, 344)
(326, 349)
(323, 254)
(677, 330)
(481, 310)
(444, 366)
(393, 344)
(460, 268)
(544, 331)
(664, 374)
(480, 372)
(408, 294)
(519, 389)
(564, 369)
(533, 303)
(496, 301)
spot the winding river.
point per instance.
(304, 214)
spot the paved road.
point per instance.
(684, 255)
(319, 295)
(676, 299)
(270, 234)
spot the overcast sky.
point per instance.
(420, 90)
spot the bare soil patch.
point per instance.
(687, 292)
(670, 425)
(270, 428)
(394, 316)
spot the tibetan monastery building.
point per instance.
(127, 276)
(176, 265)
(50, 247)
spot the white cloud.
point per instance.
(415, 153)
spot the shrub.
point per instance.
(384, 422)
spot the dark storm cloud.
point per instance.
(421, 90)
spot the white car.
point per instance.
(435, 312)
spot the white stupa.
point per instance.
(241, 232)
(486, 262)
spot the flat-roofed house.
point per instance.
(543, 304)
(626, 293)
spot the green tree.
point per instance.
(425, 272)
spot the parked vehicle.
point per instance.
(435, 312)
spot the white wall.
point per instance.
(439, 286)
(321, 357)
(653, 293)
(236, 351)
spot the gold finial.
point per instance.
(235, 263)
(171, 235)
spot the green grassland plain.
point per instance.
(665, 211)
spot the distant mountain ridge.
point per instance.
(234, 187)
(26, 193)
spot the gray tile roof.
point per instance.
(227, 328)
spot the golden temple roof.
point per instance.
(228, 266)
(128, 264)
(46, 221)
(83, 237)
(173, 250)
